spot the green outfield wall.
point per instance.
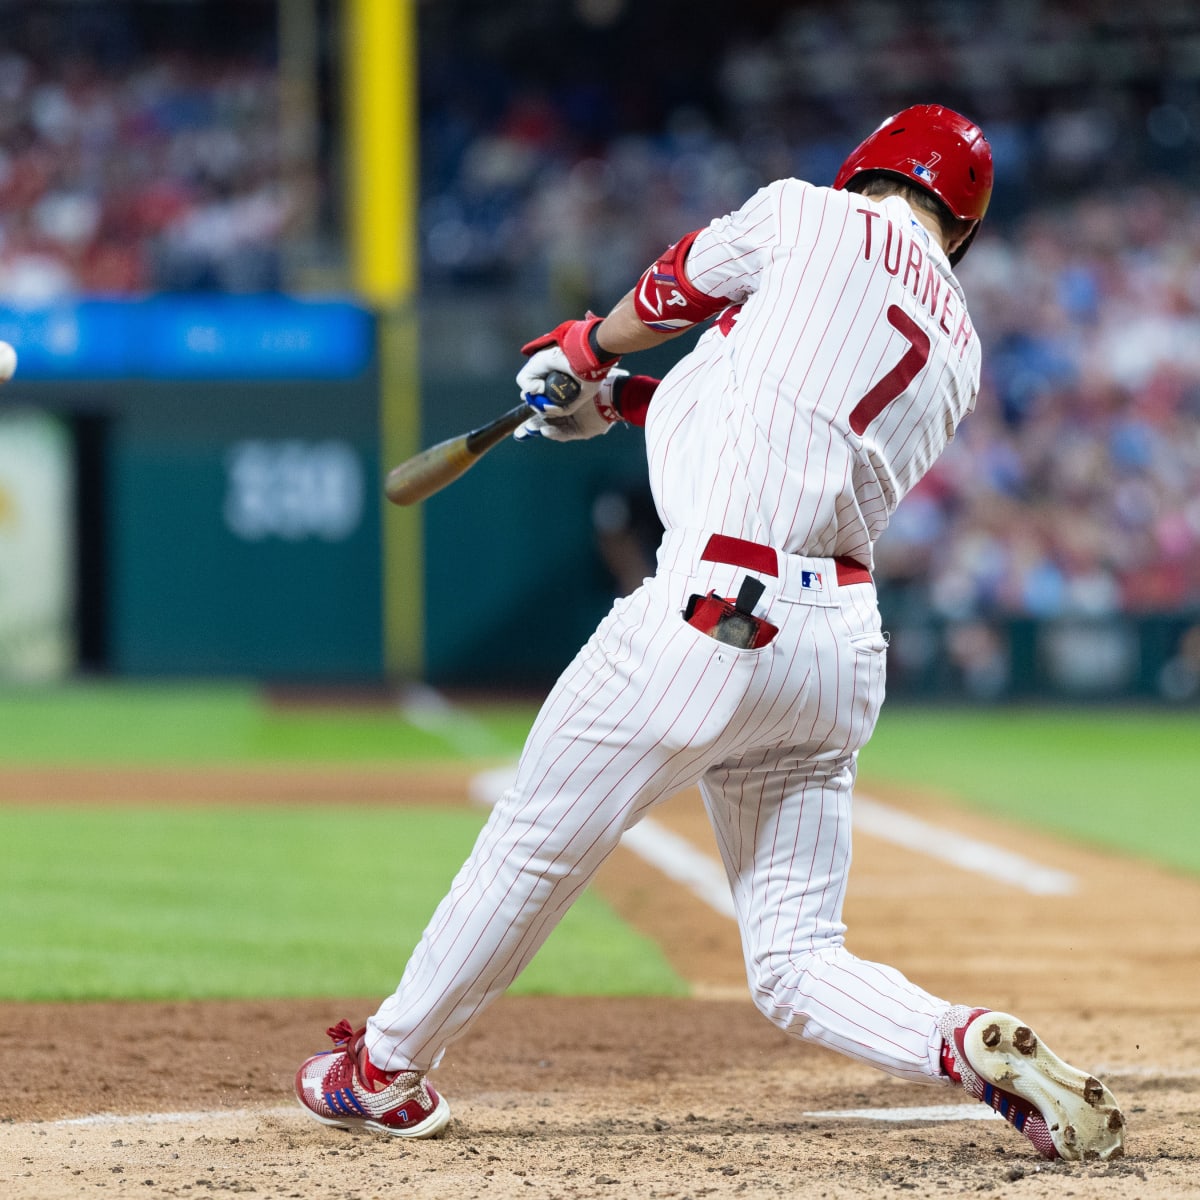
(218, 512)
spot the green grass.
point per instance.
(1123, 779)
(225, 902)
(155, 724)
(251, 901)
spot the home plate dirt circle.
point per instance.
(570, 1097)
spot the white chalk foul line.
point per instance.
(429, 710)
(968, 854)
(486, 787)
(944, 1112)
(940, 1112)
(679, 860)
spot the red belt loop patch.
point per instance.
(849, 571)
(737, 552)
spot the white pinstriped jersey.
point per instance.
(839, 380)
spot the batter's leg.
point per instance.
(782, 818)
(631, 722)
(784, 834)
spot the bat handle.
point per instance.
(480, 440)
(560, 388)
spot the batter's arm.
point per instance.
(662, 305)
(629, 396)
(624, 332)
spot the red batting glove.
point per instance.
(572, 337)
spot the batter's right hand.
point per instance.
(583, 421)
(531, 379)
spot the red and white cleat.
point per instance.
(342, 1087)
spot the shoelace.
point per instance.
(373, 1079)
(342, 1033)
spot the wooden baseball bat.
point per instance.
(417, 478)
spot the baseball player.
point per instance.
(838, 359)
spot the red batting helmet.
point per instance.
(935, 148)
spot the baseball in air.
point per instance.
(8, 362)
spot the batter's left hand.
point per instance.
(568, 347)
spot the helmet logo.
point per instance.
(925, 171)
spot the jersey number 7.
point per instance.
(899, 377)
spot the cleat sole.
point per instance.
(1080, 1112)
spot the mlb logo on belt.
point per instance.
(811, 581)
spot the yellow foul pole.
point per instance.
(379, 65)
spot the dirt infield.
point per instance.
(578, 1098)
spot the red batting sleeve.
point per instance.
(665, 299)
(634, 396)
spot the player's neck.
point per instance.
(930, 222)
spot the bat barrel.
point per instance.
(419, 477)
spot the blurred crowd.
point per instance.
(121, 177)
(1075, 488)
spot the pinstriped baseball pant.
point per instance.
(651, 706)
